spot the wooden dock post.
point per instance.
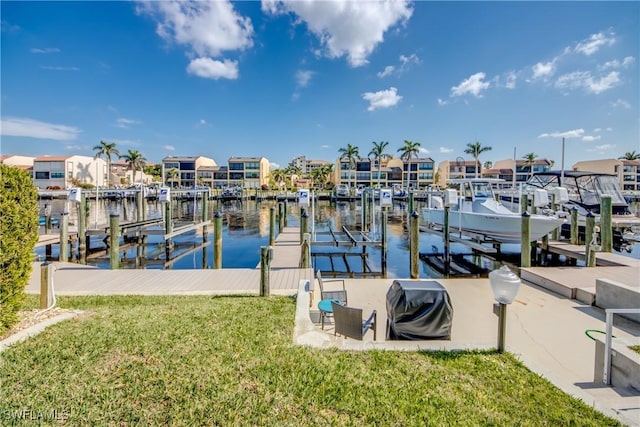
(383, 236)
(305, 251)
(139, 206)
(590, 254)
(168, 224)
(217, 248)
(114, 241)
(554, 206)
(264, 271)
(414, 245)
(606, 230)
(205, 214)
(445, 240)
(304, 223)
(272, 226)
(574, 238)
(524, 203)
(525, 244)
(280, 216)
(63, 255)
(286, 212)
(411, 201)
(47, 218)
(82, 229)
(363, 211)
(46, 280)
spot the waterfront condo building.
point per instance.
(503, 169)
(182, 171)
(69, 171)
(366, 172)
(627, 171)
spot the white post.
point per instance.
(313, 217)
(97, 195)
(609, 331)
(562, 165)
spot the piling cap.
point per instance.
(504, 284)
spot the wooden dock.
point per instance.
(284, 277)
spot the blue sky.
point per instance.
(280, 79)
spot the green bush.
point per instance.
(18, 237)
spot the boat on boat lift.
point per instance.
(475, 210)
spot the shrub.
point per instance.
(19, 231)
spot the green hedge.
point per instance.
(18, 237)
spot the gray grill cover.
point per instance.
(418, 310)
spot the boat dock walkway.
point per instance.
(79, 279)
(580, 282)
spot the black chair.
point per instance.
(348, 322)
(329, 296)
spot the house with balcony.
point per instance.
(248, 172)
(503, 169)
(307, 165)
(181, 171)
(456, 169)
(627, 171)
(366, 172)
(64, 172)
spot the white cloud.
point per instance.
(213, 69)
(202, 122)
(345, 27)
(626, 62)
(593, 43)
(169, 147)
(584, 80)
(473, 85)
(51, 68)
(597, 130)
(442, 101)
(382, 99)
(273, 166)
(620, 103)
(575, 133)
(207, 28)
(17, 126)
(70, 147)
(604, 148)
(542, 70)
(511, 78)
(590, 138)
(44, 50)
(423, 150)
(405, 63)
(123, 122)
(445, 150)
(325, 146)
(388, 70)
(303, 77)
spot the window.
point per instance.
(220, 175)
(252, 175)
(236, 175)
(172, 165)
(252, 165)
(57, 175)
(42, 175)
(425, 166)
(189, 166)
(236, 166)
(363, 166)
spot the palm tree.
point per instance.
(475, 149)
(409, 150)
(488, 164)
(530, 160)
(630, 155)
(278, 176)
(106, 149)
(377, 152)
(135, 160)
(174, 175)
(350, 153)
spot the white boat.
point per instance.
(477, 212)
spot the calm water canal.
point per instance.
(246, 229)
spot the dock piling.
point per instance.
(414, 244)
(305, 251)
(525, 244)
(589, 242)
(272, 226)
(217, 248)
(304, 223)
(114, 241)
(63, 256)
(606, 231)
(46, 282)
(446, 241)
(383, 237)
(264, 270)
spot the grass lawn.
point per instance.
(231, 361)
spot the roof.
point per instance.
(571, 173)
(51, 158)
(245, 159)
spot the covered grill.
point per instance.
(418, 310)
